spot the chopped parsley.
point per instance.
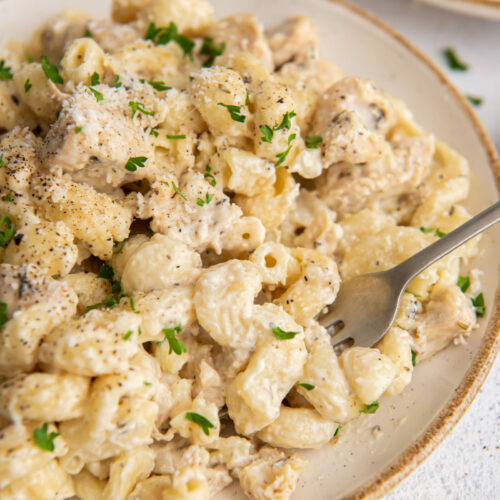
(50, 70)
(282, 156)
(478, 303)
(208, 199)
(463, 282)
(307, 387)
(474, 100)
(95, 79)
(128, 335)
(159, 86)
(174, 344)
(337, 430)
(181, 136)
(154, 132)
(414, 294)
(5, 71)
(27, 86)
(116, 82)
(453, 60)
(282, 334)
(428, 230)
(135, 162)
(413, 357)
(285, 122)
(208, 175)
(247, 99)
(162, 36)
(371, 408)
(98, 96)
(7, 197)
(44, 440)
(211, 50)
(200, 420)
(87, 34)
(267, 133)
(78, 130)
(29, 58)
(3, 314)
(2, 163)
(147, 383)
(313, 141)
(138, 106)
(132, 306)
(234, 112)
(178, 191)
(106, 272)
(6, 230)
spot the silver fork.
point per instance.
(367, 305)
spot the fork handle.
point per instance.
(423, 259)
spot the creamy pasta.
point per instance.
(180, 197)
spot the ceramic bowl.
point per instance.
(364, 463)
(489, 9)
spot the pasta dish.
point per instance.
(180, 198)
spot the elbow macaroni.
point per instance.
(169, 235)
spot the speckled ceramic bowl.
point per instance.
(489, 9)
(364, 463)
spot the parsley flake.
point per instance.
(282, 156)
(147, 383)
(337, 430)
(5, 71)
(138, 106)
(200, 420)
(78, 130)
(87, 34)
(95, 79)
(428, 230)
(98, 96)
(463, 282)
(282, 334)
(50, 70)
(267, 133)
(128, 335)
(7, 197)
(134, 162)
(307, 387)
(208, 175)
(27, 86)
(116, 82)
(178, 191)
(234, 112)
(413, 357)
(313, 141)
(157, 85)
(174, 344)
(42, 439)
(211, 50)
(112, 299)
(247, 99)
(478, 303)
(474, 100)
(106, 272)
(208, 199)
(6, 230)
(154, 132)
(181, 136)
(3, 314)
(453, 60)
(2, 163)
(285, 122)
(371, 408)
(162, 36)
(132, 306)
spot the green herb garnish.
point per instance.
(116, 82)
(6, 230)
(463, 282)
(282, 334)
(87, 34)
(128, 335)
(307, 387)
(162, 36)
(282, 156)
(453, 61)
(478, 303)
(428, 230)
(413, 357)
(2, 163)
(136, 161)
(7, 197)
(50, 70)
(138, 106)
(474, 100)
(203, 422)
(174, 344)
(181, 136)
(78, 130)
(313, 141)
(285, 122)
(27, 86)
(43, 440)
(207, 200)
(98, 96)
(337, 430)
(178, 191)
(5, 71)
(247, 99)
(159, 86)
(208, 175)
(95, 79)
(211, 50)
(106, 272)
(234, 112)
(147, 383)
(371, 408)
(3, 314)
(132, 306)
(267, 133)
(154, 132)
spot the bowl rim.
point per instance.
(475, 376)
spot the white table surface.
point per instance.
(466, 465)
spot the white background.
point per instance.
(466, 466)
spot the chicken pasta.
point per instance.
(180, 198)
